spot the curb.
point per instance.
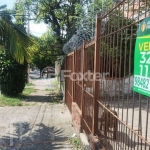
(84, 141)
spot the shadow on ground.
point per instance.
(23, 137)
(124, 141)
(48, 98)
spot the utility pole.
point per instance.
(28, 80)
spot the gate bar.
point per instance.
(96, 69)
(138, 135)
(83, 70)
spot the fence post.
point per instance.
(65, 79)
(73, 82)
(96, 70)
(83, 69)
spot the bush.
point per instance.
(13, 76)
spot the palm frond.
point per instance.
(16, 41)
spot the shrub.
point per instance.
(13, 76)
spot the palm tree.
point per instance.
(15, 40)
(18, 47)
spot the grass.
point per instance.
(28, 91)
(18, 100)
(56, 97)
(10, 101)
(76, 142)
(51, 90)
(30, 84)
(55, 84)
(55, 88)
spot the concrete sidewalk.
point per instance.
(42, 126)
(45, 127)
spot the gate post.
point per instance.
(96, 70)
(73, 82)
(83, 70)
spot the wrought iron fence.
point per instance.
(123, 114)
(110, 108)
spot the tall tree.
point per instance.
(57, 13)
(47, 52)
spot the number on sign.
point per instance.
(148, 61)
(146, 70)
(144, 58)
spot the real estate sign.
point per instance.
(142, 59)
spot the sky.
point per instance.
(35, 29)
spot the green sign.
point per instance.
(142, 59)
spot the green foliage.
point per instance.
(15, 41)
(87, 14)
(16, 100)
(47, 52)
(28, 91)
(59, 14)
(17, 48)
(13, 76)
(29, 84)
(60, 60)
(42, 60)
(55, 97)
(23, 8)
(117, 52)
(10, 101)
(55, 84)
(76, 142)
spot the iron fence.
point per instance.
(110, 108)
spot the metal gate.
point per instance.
(110, 108)
(123, 115)
(88, 98)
